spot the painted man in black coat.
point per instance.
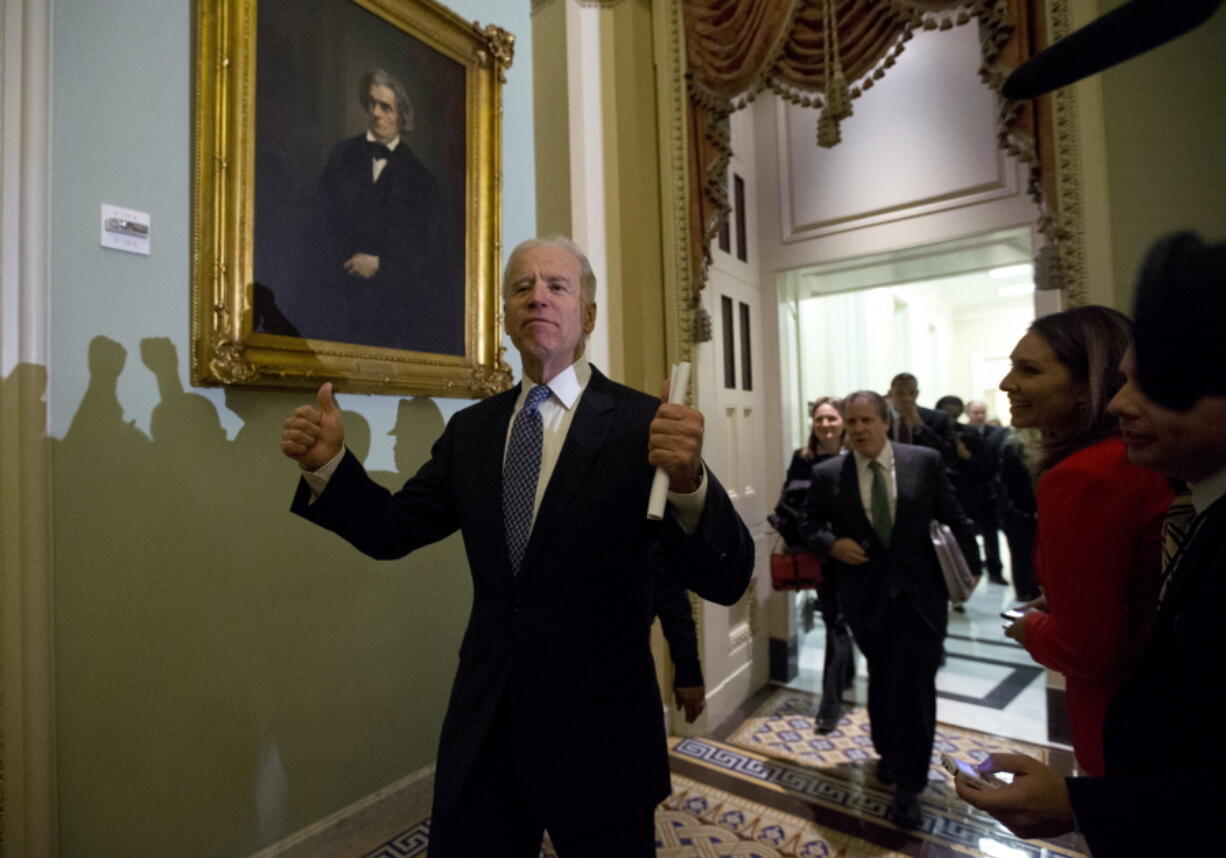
(557, 653)
(869, 512)
(387, 266)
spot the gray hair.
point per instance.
(587, 279)
(404, 106)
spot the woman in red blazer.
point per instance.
(1097, 552)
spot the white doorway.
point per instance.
(949, 314)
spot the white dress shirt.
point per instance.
(1207, 491)
(865, 475)
(557, 412)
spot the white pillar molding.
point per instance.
(27, 752)
(584, 63)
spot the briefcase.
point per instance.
(793, 569)
(958, 578)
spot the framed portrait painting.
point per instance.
(347, 197)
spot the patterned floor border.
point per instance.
(784, 727)
(777, 748)
(700, 821)
(408, 844)
(857, 794)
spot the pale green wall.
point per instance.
(1165, 117)
(226, 673)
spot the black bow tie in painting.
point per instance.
(378, 151)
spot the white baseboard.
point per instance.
(722, 700)
(363, 825)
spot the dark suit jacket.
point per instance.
(1163, 733)
(936, 431)
(564, 645)
(833, 510)
(671, 604)
(975, 478)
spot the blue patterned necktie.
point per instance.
(520, 472)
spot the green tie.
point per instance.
(880, 504)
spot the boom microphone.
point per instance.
(1121, 34)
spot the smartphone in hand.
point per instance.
(1012, 615)
(968, 774)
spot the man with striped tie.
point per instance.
(1162, 737)
(548, 483)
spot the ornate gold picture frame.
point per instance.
(318, 255)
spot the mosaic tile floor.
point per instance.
(776, 749)
(773, 788)
(784, 727)
(700, 821)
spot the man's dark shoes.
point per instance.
(886, 773)
(997, 579)
(906, 809)
(826, 721)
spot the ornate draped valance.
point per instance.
(825, 54)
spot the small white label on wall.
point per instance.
(124, 229)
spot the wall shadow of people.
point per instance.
(355, 621)
(217, 657)
(23, 406)
(418, 423)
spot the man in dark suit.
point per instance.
(548, 483)
(983, 444)
(914, 424)
(671, 604)
(1162, 736)
(869, 511)
(389, 271)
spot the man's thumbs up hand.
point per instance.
(313, 436)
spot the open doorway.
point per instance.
(947, 313)
(950, 314)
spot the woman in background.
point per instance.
(825, 440)
(1097, 551)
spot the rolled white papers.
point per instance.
(678, 385)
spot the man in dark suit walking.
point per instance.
(548, 484)
(911, 423)
(869, 511)
(983, 442)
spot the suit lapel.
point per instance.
(849, 495)
(588, 429)
(906, 484)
